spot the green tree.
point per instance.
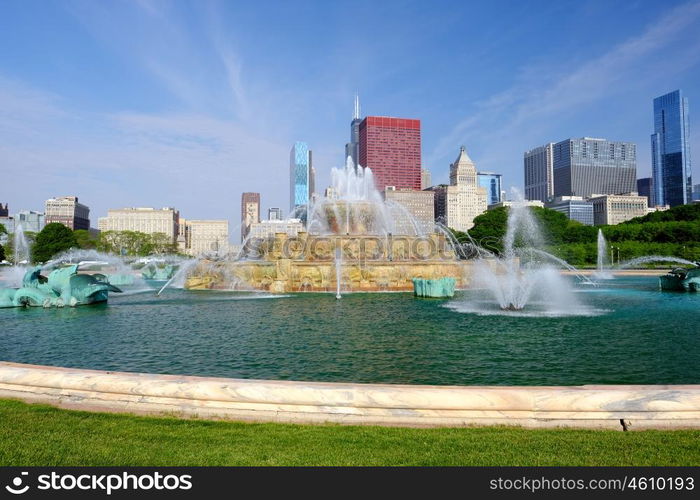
(2, 249)
(85, 239)
(54, 238)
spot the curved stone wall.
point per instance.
(611, 406)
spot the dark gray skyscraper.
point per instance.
(644, 189)
(539, 181)
(587, 166)
(670, 151)
(352, 148)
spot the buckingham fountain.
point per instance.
(355, 242)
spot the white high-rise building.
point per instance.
(459, 203)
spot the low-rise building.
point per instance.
(609, 209)
(574, 207)
(68, 211)
(268, 228)
(416, 207)
(659, 208)
(203, 237)
(509, 203)
(142, 219)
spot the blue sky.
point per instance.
(190, 103)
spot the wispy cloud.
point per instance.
(503, 125)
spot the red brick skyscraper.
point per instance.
(391, 148)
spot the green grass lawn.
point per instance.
(43, 435)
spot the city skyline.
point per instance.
(124, 122)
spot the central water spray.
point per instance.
(524, 274)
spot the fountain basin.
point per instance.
(591, 406)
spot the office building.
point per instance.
(68, 211)
(268, 228)
(274, 214)
(417, 207)
(510, 203)
(143, 220)
(331, 193)
(539, 175)
(696, 192)
(352, 148)
(458, 204)
(425, 181)
(250, 212)
(612, 209)
(30, 220)
(574, 207)
(391, 147)
(587, 166)
(670, 151)
(312, 179)
(203, 237)
(644, 189)
(298, 175)
(493, 184)
(4, 211)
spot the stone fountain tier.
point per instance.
(308, 263)
(358, 217)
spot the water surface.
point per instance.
(628, 333)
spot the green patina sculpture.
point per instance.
(434, 288)
(158, 273)
(682, 280)
(62, 287)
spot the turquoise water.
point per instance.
(629, 333)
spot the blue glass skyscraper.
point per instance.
(493, 185)
(298, 175)
(670, 151)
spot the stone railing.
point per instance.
(612, 406)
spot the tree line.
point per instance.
(55, 238)
(674, 232)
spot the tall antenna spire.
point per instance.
(356, 114)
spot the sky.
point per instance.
(190, 103)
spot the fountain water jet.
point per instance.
(647, 259)
(602, 258)
(515, 285)
(338, 271)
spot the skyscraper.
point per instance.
(425, 180)
(391, 148)
(539, 175)
(587, 166)
(298, 175)
(493, 183)
(644, 189)
(352, 148)
(670, 151)
(250, 212)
